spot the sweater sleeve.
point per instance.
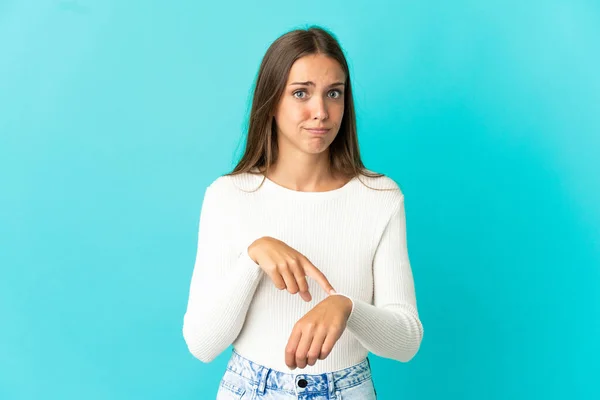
(223, 282)
(390, 327)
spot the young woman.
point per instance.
(302, 259)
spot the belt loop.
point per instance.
(330, 385)
(263, 374)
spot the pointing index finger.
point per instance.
(318, 276)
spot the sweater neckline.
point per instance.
(309, 195)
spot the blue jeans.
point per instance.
(247, 380)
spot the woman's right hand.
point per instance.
(286, 267)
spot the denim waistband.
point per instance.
(263, 377)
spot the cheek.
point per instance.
(299, 113)
(293, 113)
(339, 111)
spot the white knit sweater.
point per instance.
(355, 235)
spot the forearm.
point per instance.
(217, 309)
(393, 331)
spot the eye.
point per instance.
(298, 91)
(339, 93)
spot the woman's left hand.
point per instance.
(315, 334)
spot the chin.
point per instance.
(316, 151)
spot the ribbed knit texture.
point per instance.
(355, 235)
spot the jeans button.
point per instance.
(302, 383)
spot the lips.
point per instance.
(318, 131)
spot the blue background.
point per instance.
(115, 116)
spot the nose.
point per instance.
(320, 109)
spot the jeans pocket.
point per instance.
(363, 391)
(231, 387)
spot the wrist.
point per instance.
(347, 302)
(252, 249)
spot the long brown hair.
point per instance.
(261, 144)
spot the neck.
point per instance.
(303, 172)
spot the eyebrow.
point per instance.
(310, 83)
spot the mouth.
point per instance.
(318, 131)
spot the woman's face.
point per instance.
(313, 98)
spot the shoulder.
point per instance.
(230, 185)
(379, 182)
(227, 193)
(380, 186)
(382, 194)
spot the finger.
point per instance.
(306, 296)
(303, 347)
(301, 281)
(276, 278)
(330, 340)
(315, 347)
(317, 275)
(290, 280)
(292, 345)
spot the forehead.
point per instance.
(316, 68)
